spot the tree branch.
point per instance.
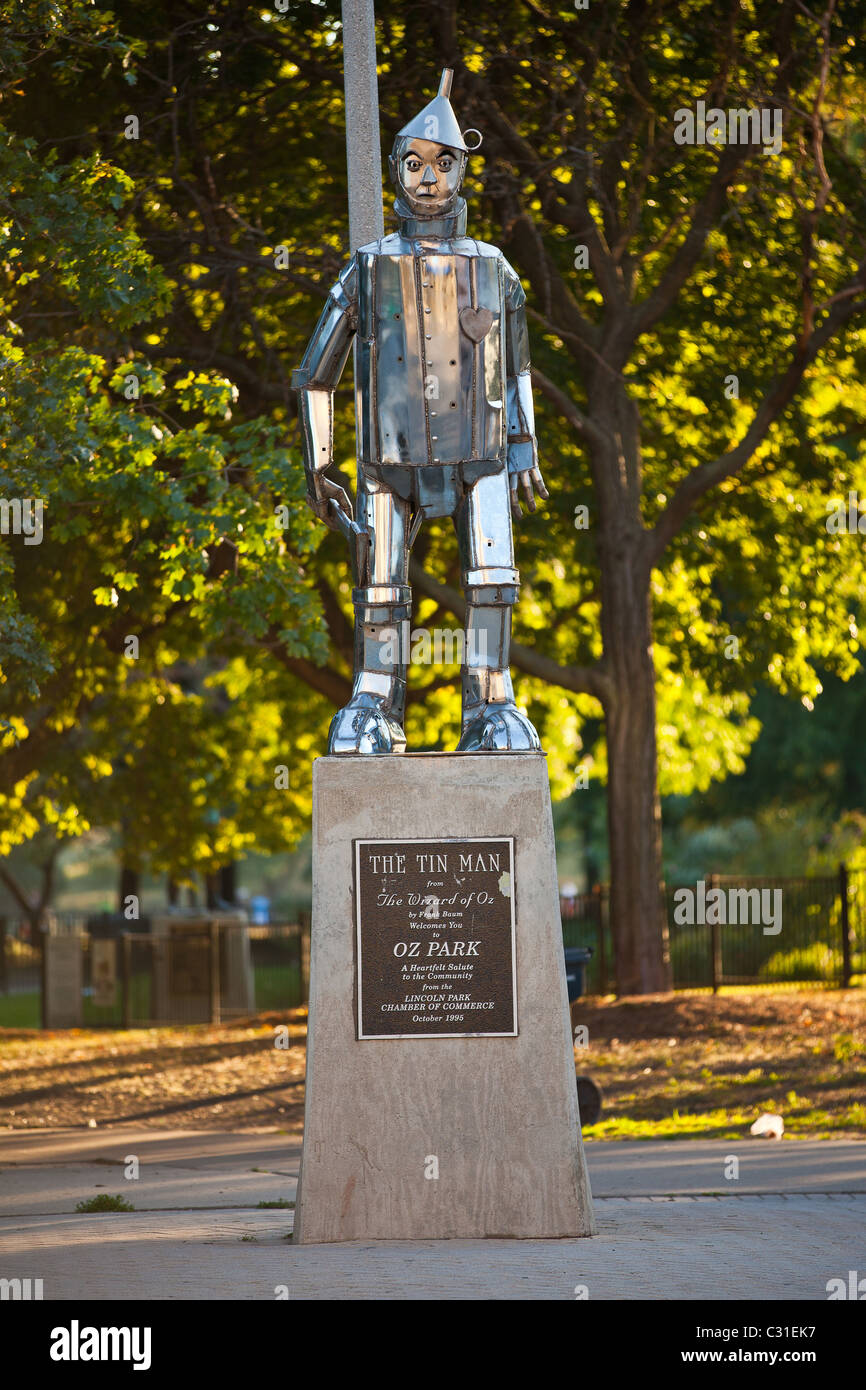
(685, 258)
(778, 397)
(586, 428)
(583, 680)
(48, 870)
(554, 293)
(15, 890)
(339, 627)
(322, 679)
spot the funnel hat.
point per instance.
(437, 121)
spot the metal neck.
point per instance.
(445, 227)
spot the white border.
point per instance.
(427, 840)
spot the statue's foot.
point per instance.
(499, 729)
(365, 729)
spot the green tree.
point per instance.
(706, 504)
(173, 533)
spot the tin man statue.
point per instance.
(445, 427)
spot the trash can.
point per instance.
(576, 958)
(588, 1100)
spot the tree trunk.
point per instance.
(211, 891)
(128, 886)
(35, 907)
(637, 919)
(228, 877)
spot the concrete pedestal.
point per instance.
(495, 1117)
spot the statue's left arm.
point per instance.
(315, 382)
(521, 442)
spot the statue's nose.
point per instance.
(429, 175)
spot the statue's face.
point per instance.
(428, 176)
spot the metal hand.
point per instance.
(530, 478)
(320, 491)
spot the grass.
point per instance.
(24, 1011)
(276, 987)
(19, 1010)
(104, 1202)
(682, 1066)
(222, 1077)
(693, 1067)
(803, 1122)
(282, 1204)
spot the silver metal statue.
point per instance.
(445, 427)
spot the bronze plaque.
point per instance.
(435, 950)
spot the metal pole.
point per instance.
(363, 149)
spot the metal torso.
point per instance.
(430, 379)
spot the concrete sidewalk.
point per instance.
(52, 1170)
(708, 1248)
(696, 1167)
(794, 1218)
(179, 1170)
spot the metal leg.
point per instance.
(491, 720)
(372, 721)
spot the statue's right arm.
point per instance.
(315, 382)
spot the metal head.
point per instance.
(428, 160)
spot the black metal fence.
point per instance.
(188, 971)
(727, 930)
(20, 976)
(723, 930)
(586, 922)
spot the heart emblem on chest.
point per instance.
(476, 323)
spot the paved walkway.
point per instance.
(795, 1218)
(52, 1171)
(647, 1248)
